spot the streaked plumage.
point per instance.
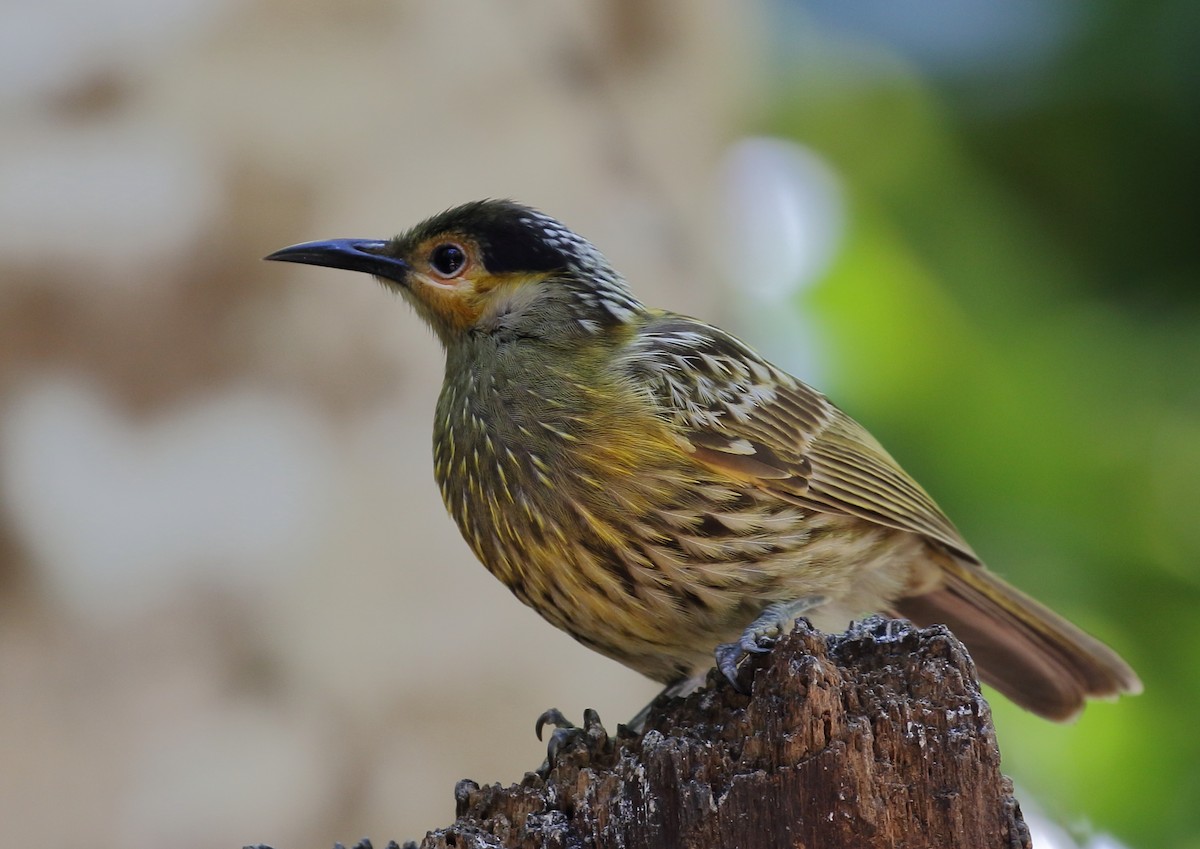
(649, 484)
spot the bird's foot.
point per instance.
(760, 635)
(592, 739)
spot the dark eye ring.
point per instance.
(448, 259)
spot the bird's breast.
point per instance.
(522, 461)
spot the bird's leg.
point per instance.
(761, 634)
(567, 735)
(758, 637)
(682, 687)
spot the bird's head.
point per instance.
(488, 266)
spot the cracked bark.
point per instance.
(874, 738)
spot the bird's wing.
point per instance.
(740, 415)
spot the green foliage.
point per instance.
(1016, 314)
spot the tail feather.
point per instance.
(1026, 651)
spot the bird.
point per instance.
(655, 488)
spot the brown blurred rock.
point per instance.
(154, 154)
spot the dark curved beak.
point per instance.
(351, 254)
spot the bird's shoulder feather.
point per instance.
(738, 414)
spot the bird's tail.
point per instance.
(1026, 651)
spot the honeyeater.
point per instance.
(655, 488)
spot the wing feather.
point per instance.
(741, 415)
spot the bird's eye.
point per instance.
(448, 259)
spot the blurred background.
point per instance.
(232, 609)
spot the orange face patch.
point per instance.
(447, 279)
(450, 282)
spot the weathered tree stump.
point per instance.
(875, 738)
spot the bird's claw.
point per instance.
(757, 642)
(554, 717)
(568, 736)
(730, 656)
(561, 741)
(760, 636)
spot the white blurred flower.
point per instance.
(782, 218)
(1044, 833)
